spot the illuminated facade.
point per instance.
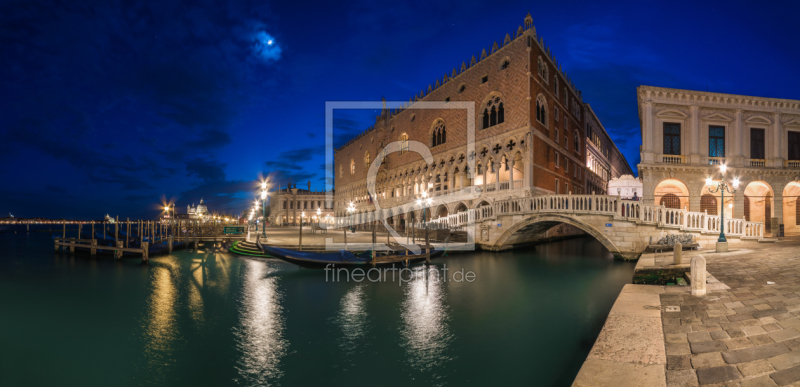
(688, 134)
(604, 161)
(529, 137)
(287, 205)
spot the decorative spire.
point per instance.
(494, 47)
(483, 54)
(507, 40)
(528, 21)
(472, 62)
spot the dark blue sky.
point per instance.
(115, 106)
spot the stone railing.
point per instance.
(673, 159)
(791, 163)
(614, 206)
(761, 163)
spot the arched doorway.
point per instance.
(791, 211)
(442, 212)
(713, 204)
(760, 198)
(461, 207)
(673, 189)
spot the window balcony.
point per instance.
(716, 160)
(791, 164)
(673, 159)
(758, 163)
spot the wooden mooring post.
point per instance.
(118, 253)
(145, 252)
(427, 246)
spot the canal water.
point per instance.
(526, 318)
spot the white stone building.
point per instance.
(687, 134)
(626, 186)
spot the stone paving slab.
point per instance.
(746, 330)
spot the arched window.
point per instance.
(708, 203)
(670, 201)
(493, 113)
(352, 166)
(403, 143)
(366, 160)
(439, 134)
(541, 110)
(577, 142)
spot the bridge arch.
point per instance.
(529, 229)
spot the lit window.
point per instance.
(352, 166)
(403, 143)
(493, 113)
(366, 160)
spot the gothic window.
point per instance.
(540, 67)
(541, 110)
(757, 144)
(439, 134)
(366, 160)
(341, 174)
(462, 88)
(670, 201)
(352, 166)
(794, 146)
(672, 138)
(403, 143)
(716, 141)
(493, 113)
(708, 203)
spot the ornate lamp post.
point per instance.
(350, 210)
(424, 202)
(722, 186)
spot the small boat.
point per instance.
(342, 258)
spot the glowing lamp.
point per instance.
(709, 181)
(723, 168)
(735, 182)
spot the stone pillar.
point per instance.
(496, 167)
(698, 276)
(485, 175)
(510, 173)
(527, 173)
(738, 203)
(777, 212)
(677, 254)
(694, 134)
(739, 135)
(778, 141)
(648, 155)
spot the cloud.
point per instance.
(205, 169)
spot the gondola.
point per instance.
(342, 258)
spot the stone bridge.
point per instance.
(624, 227)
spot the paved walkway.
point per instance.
(748, 335)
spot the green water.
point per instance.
(528, 318)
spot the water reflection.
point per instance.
(161, 327)
(198, 278)
(425, 331)
(352, 319)
(259, 337)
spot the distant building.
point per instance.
(604, 161)
(625, 186)
(200, 212)
(287, 205)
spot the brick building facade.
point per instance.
(529, 136)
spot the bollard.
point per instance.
(94, 246)
(698, 276)
(118, 253)
(169, 242)
(677, 253)
(72, 247)
(145, 251)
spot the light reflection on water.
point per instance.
(160, 328)
(352, 319)
(425, 331)
(259, 337)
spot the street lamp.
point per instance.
(722, 186)
(424, 202)
(319, 214)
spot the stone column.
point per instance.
(649, 134)
(694, 134)
(740, 139)
(510, 173)
(527, 173)
(738, 203)
(777, 210)
(496, 167)
(485, 175)
(778, 150)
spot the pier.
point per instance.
(145, 238)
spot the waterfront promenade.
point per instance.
(744, 332)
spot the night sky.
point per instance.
(115, 107)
